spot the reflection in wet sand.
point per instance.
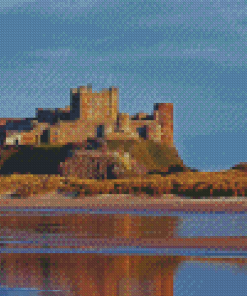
(104, 231)
(95, 274)
(92, 274)
(94, 225)
(86, 274)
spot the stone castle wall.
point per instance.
(90, 110)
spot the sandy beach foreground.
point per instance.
(126, 202)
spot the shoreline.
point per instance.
(209, 244)
(168, 202)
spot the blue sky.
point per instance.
(191, 53)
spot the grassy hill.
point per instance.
(40, 166)
(154, 156)
(46, 159)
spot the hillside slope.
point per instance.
(134, 157)
(154, 156)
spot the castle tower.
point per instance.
(88, 105)
(163, 114)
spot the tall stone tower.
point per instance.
(99, 107)
(163, 114)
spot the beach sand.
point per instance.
(166, 202)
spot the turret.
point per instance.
(163, 115)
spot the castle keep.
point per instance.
(90, 115)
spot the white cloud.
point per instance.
(217, 53)
(60, 52)
(60, 8)
(4, 4)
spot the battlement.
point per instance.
(88, 105)
(96, 114)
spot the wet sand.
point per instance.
(55, 200)
(126, 202)
(220, 243)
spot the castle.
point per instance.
(90, 115)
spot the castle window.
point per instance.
(45, 138)
(100, 131)
(142, 131)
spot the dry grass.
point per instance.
(193, 184)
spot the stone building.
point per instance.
(90, 115)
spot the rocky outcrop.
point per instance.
(90, 165)
(93, 160)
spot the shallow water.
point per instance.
(51, 252)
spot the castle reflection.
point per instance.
(93, 225)
(88, 274)
(95, 274)
(91, 274)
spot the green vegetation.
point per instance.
(154, 156)
(38, 168)
(46, 158)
